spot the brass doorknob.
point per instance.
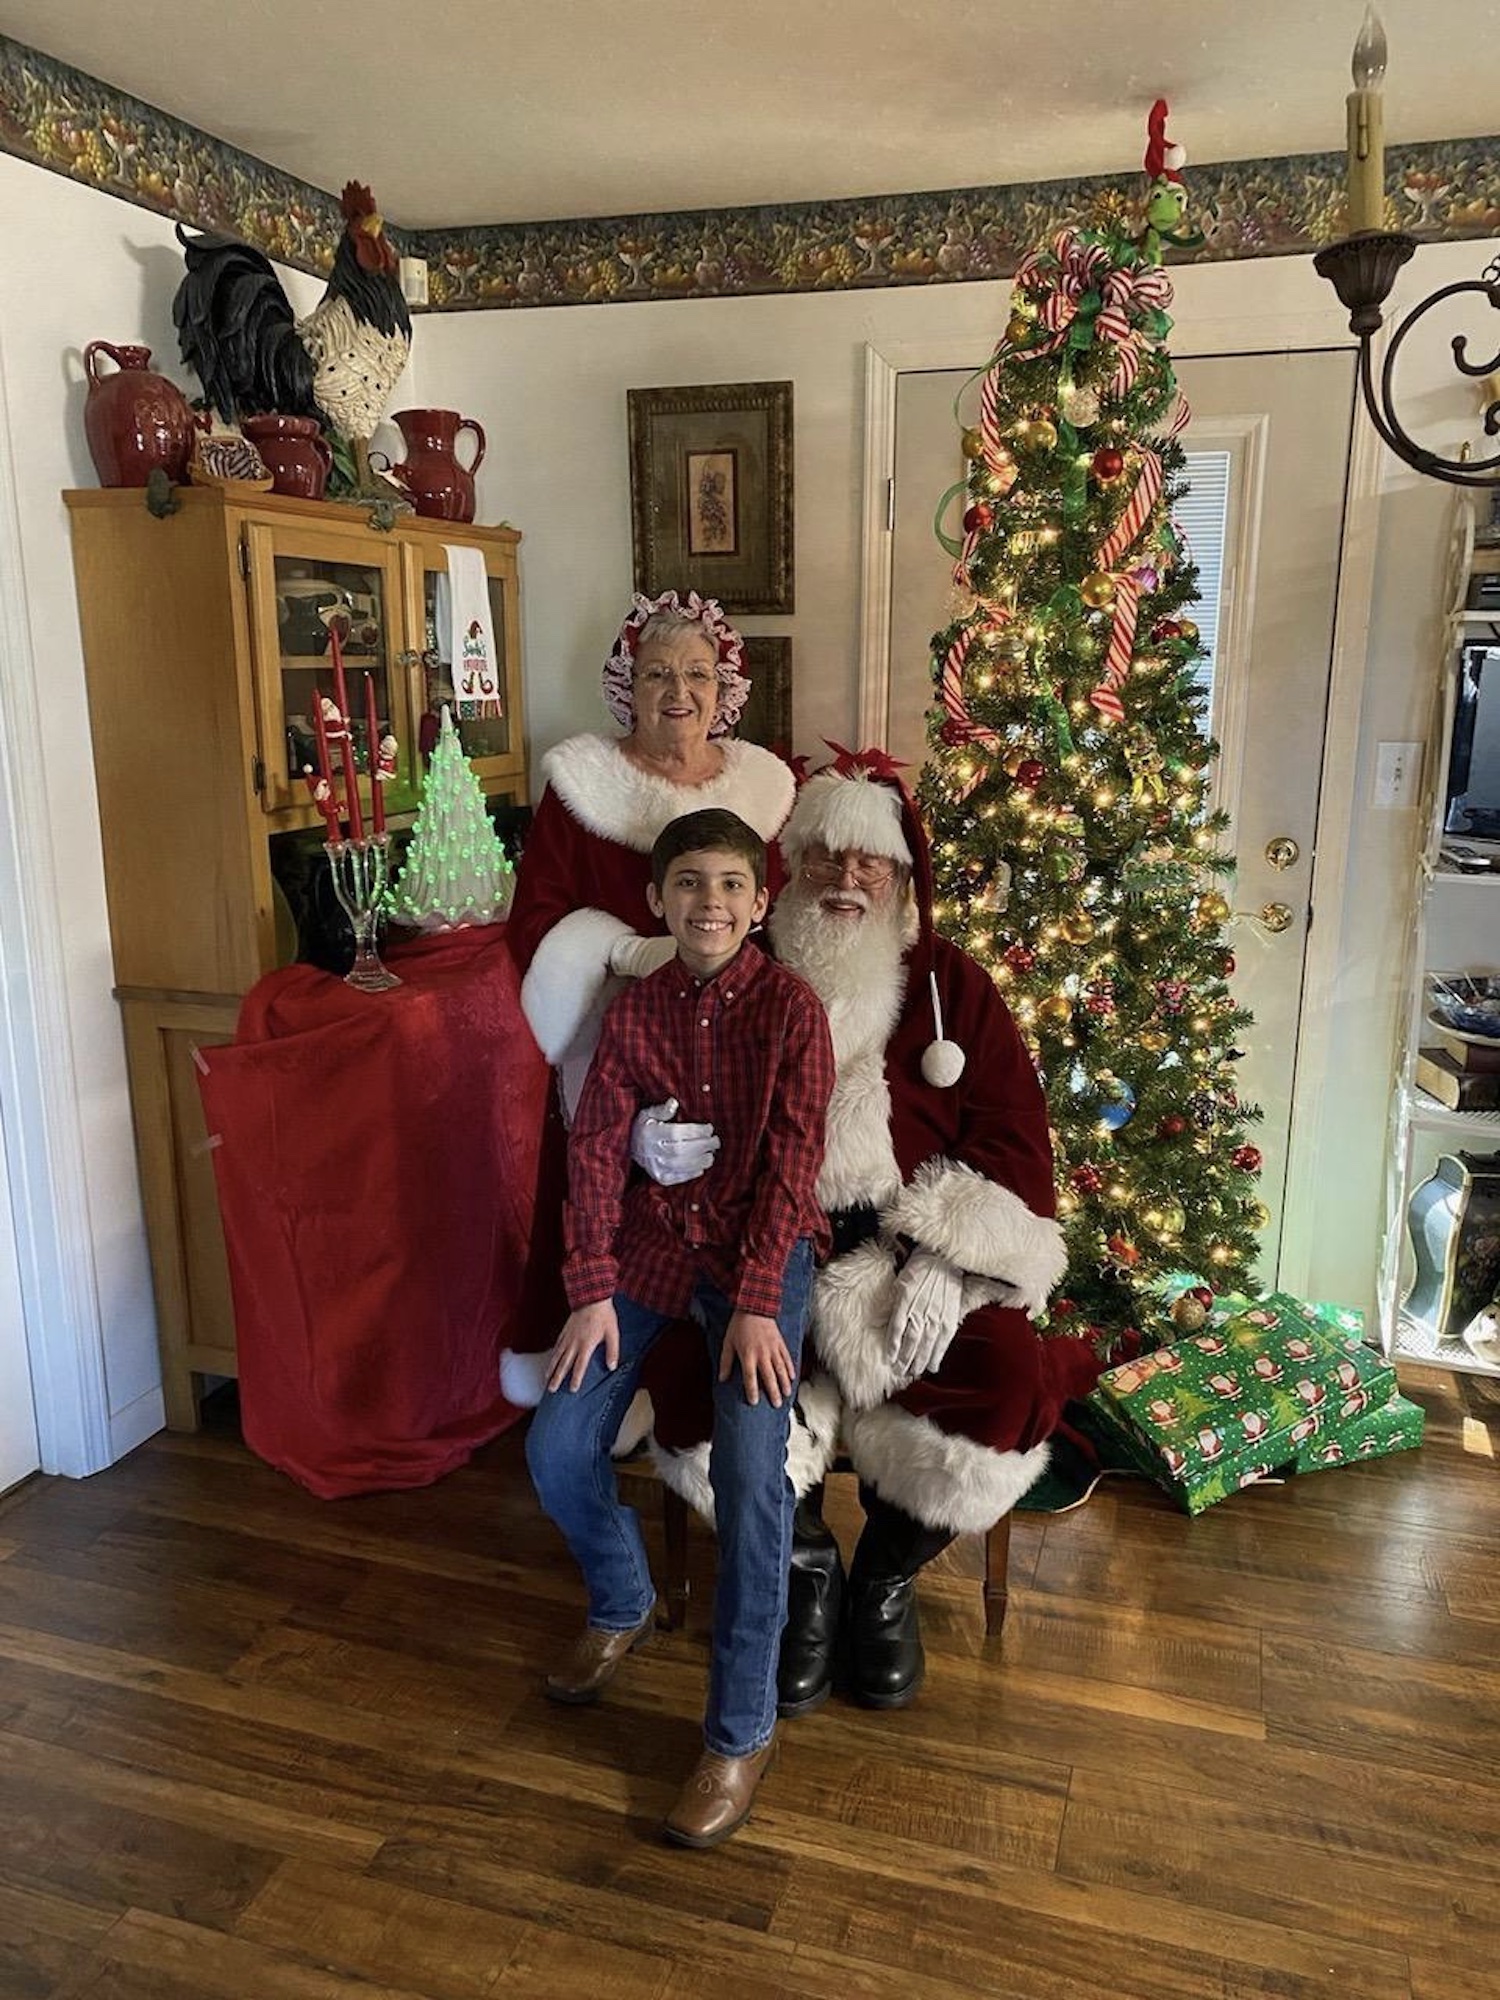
(1282, 852)
(1276, 917)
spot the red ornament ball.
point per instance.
(1172, 1126)
(1246, 1158)
(1087, 1179)
(1166, 628)
(1063, 1308)
(1108, 462)
(980, 515)
(1202, 1294)
(1030, 773)
(1229, 962)
(1020, 957)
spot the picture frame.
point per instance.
(766, 718)
(711, 493)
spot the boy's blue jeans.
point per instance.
(567, 1450)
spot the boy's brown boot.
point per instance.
(716, 1799)
(588, 1668)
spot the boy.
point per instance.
(724, 1029)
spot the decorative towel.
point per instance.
(462, 606)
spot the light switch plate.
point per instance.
(1398, 773)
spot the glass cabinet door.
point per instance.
(303, 584)
(486, 707)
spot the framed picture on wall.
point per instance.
(766, 718)
(711, 493)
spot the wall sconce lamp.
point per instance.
(1363, 267)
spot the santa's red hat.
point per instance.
(859, 801)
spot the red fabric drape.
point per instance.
(376, 1167)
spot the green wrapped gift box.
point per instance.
(1394, 1426)
(1261, 1392)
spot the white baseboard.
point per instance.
(138, 1421)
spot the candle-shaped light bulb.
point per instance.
(1366, 167)
(1368, 64)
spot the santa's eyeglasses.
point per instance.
(869, 871)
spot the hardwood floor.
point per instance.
(256, 1746)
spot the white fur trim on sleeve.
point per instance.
(568, 981)
(940, 1479)
(981, 1227)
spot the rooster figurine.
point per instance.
(239, 335)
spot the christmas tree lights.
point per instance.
(455, 871)
(1076, 852)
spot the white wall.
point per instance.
(549, 386)
(81, 266)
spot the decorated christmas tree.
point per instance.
(455, 871)
(1068, 790)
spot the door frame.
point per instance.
(39, 1111)
(1337, 794)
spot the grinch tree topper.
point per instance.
(455, 871)
(1075, 848)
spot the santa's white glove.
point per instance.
(632, 957)
(925, 1313)
(671, 1154)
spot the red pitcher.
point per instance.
(296, 453)
(135, 421)
(430, 472)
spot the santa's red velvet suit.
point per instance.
(937, 1169)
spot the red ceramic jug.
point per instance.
(431, 473)
(296, 453)
(135, 421)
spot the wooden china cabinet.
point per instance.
(205, 637)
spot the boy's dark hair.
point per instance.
(713, 827)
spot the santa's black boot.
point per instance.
(814, 1603)
(886, 1663)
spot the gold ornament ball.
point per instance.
(1042, 434)
(1189, 630)
(1173, 1217)
(1097, 589)
(1016, 328)
(1189, 1313)
(1257, 1214)
(1055, 1009)
(1212, 909)
(1152, 1040)
(973, 443)
(1077, 927)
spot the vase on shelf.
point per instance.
(136, 421)
(432, 476)
(296, 453)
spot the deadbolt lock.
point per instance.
(1283, 852)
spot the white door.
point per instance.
(18, 1440)
(1283, 422)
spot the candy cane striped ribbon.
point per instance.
(1136, 513)
(1105, 696)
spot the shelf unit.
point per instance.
(1447, 907)
(204, 650)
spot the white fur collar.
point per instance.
(610, 796)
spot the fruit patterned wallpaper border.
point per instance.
(58, 118)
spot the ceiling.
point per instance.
(528, 110)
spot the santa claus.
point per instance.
(938, 1179)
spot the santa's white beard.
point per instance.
(856, 968)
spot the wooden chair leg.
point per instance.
(996, 1580)
(674, 1517)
